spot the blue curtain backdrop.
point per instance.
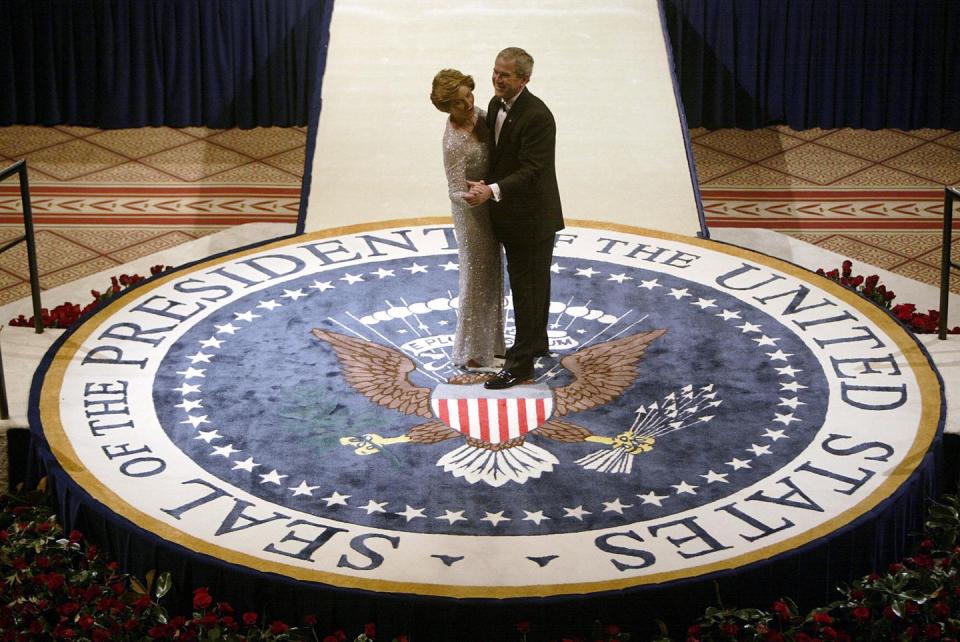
(818, 63)
(135, 63)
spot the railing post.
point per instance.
(946, 264)
(20, 167)
(31, 248)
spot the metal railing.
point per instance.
(946, 263)
(20, 167)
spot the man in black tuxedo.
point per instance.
(521, 186)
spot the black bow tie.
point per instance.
(504, 106)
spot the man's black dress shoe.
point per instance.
(505, 379)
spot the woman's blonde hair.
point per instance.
(445, 86)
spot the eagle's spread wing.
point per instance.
(379, 373)
(601, 372)
(563, 431)
(431, 433)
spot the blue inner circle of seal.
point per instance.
(270, 410)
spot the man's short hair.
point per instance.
(521, 58)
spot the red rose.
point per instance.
(933, 632)
(781, 609)
(911, 608)
(209, 620)
(310, 619)
(249, 618)
(158, 632)
(53, 581)
(100, 635)
(401, 638)
(330, 638)
(822, 618)
(278, 627)
(523, 627)
(861, 613)
(941, 609)
(68, 608)
(85, 622)
(889, 613)
(829, 633)
(772, 636)
(370, 630)
(612, 630)
(201, 599)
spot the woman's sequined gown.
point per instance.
(480, 315)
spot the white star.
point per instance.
(792, 402)
(212, 342)
(779, 355)
(187, 388)
(789, 371)
(323, 286)
(247, 316)
(712, 477)
(703, 304)
(247, 465)
(413, 269)
(749, 327)
(382, 274)
(587, 272)
(336, 498)
(775, 435)
(619, 278)
(200, 357)
(581, 331)
(224, 451)
(294, 294)
(785, 419)
(615, 506)
(351, 278)
(793, 386)
(727, 315)
(411, 513)
(537, 516)
(766, 341)
(190, 373)
(555, 268)
(443, 322)
(195, 421)
(303, 489)
(653, 498)
(739, 463)
(453, 517)
(494, 518)
(374, 507)
(208, 435)
(652, 283)
(576, 513)
(226, 328)
(679, 293)
(759, 450)
(684, 487)
(450, 266)
(269, 305)
(190, 404)
(273, 477)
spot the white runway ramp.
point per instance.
(601, 67)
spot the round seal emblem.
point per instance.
(294, 408)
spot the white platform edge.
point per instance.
(23, 349)
(944, 354)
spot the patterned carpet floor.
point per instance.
(103, 198)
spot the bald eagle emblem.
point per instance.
(494, 425)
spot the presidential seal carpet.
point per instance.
(284, 422)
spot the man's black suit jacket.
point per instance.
(522, 164)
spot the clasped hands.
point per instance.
(479, 193)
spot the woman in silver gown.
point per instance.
(479, 338)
